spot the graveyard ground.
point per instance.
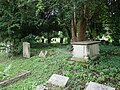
(105, 70)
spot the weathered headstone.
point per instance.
(58, 80)
(43, 54)
(8, 46)
(96, 86)
(26, 49)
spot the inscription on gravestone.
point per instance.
(26, 49)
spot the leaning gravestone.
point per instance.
(26, 49)
(58, 80)
(96, 86)
(43, 54)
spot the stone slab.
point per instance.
(41, 87)
(85, 42)
(79, 59)
(96, 86)
(58, 80)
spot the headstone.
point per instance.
(58, 80)
(43, 54)
(26, 49)
(8, 45)
(41, 87)
(96, 86)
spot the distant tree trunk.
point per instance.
(49, 40)
(42, 40)
(69, 34)
(61, 40)
(48, 37)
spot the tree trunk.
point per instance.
(42, 40)
(74, 26)
(82, 30)
(83, 23)
(61, 40)
(49, 40)
(48, 37)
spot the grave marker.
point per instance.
(58, 80)
(26, 49)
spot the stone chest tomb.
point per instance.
(85, 50)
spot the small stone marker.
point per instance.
(41, 87)
(96, 86)
(26, 49)
(43, 54)
(58, 80)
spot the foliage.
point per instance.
(105, 70)
(20, 19)
(17, 21)
(110, 50)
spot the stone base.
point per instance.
(86, 59)
(94, 57)
(79, 59)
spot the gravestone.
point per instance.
(43, 54)
(96, 86)
(58, 80)
(26, 49)
(8, 47)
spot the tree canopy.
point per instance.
(78, 19)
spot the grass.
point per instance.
(105, 70)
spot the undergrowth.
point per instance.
(105, 70)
